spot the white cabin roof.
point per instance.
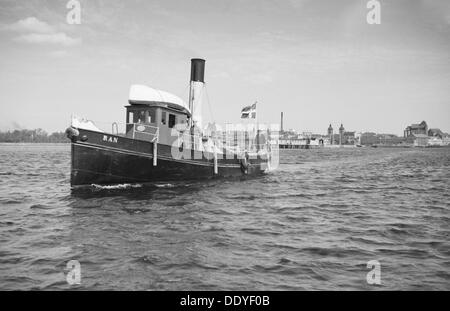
(142, 94)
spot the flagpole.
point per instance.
(257, 128)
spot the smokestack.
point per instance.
(196, 91)
(282, 121)
(198, 70)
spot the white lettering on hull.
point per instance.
(110, 139)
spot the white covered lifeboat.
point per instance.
(144, 95)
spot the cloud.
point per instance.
(51, 38)
(33, 31)
(31, 24)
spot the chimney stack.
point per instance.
(198, 70)
(282, 121)
(196, 91)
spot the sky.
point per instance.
(318, 61)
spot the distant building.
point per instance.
(416, 129)
(341, 134)
(420, 140)
(369, 138)
(436, 133)
(330, 134)
(358, 138)
(435, 141)
(335, 138)
(419, 135)
(349, 138)
(446, 141)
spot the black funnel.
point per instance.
(198, 70)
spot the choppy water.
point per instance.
(312, 224)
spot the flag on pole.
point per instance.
(249, 112)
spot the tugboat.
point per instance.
(163, 141)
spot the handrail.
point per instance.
(239, 147)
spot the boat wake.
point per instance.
(164, 185)
(116, 187)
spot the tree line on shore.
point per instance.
(32, 136)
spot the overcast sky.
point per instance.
(318, 61)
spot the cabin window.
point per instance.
(152, 115)
(163, 117)
(130, 118)
(148, 118)
(172, 120)
(141, 117)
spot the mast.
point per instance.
(257, 126)
(195, 91)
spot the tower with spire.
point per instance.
(330, 134)
(341, 134)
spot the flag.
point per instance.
(249, 112)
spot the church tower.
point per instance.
(341, 134)
(330, 134)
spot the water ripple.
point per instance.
(312, 224)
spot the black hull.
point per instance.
(104, 159)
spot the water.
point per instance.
(313, 224)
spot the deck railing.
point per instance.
(236, 146)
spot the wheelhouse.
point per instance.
(155, 115)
